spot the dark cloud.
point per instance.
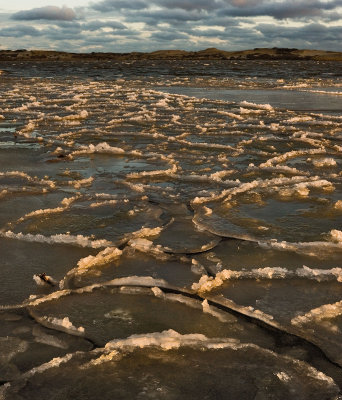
(48, 13)
(110, 25)
(311, 36)
(71, 31)
(245, 3)
(175, 17)
(58, 35)
(168, 36)
(19, 31)
(195, 10)
(114, 5)
(190, 4)
(223, 21)
(237, 8)
(183, 10)
(207, 5)
(284, 10)
(90, 26)
(312, 33)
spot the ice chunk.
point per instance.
(324, 162)
(336, 236)
(167, 340)
(64, 324)
(79, 240)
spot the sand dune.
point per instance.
(210, 53)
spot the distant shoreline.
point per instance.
(207, 54)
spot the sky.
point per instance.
(146, 25)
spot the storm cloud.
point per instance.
(114, 5)
(287, 9)
(48, 13)
(19, 31)
(147, 25)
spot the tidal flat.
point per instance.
(188, 219)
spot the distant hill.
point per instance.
(207, 54)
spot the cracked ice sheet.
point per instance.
(227, 368)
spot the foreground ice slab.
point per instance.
(173, 366)
(105, 313)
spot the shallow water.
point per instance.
(306, 100)
(189, 218)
